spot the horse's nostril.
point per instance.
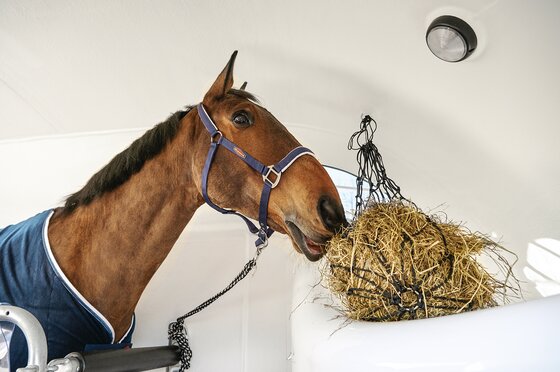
(331, 213)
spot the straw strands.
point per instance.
(395, 262)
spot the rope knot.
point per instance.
(178, 335)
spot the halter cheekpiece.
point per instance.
(271, 175)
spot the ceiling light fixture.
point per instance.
(450, 38)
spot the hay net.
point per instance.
(396, 262)
(371, 168)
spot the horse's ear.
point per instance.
(224, 81)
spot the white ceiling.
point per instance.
(480, 134)
(68, 66)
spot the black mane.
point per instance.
(128, 162)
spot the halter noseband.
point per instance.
(271, 175)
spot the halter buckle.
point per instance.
(266, 177)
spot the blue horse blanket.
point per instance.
(31, 278)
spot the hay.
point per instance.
(395, 262)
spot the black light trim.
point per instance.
(462, 28)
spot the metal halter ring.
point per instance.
(266, 178)
(264, 241)
(216, 134)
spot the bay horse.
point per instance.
(107, 241)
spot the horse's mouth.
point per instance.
(311, 249)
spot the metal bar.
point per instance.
(131, 360)
(34, 335)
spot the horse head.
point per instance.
(305, 205)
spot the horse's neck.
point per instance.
(112, 247)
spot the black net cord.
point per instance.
(177, 332)
(371, 169)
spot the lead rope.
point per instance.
(177, 332)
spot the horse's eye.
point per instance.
(242, 119)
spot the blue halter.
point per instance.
(271, 175)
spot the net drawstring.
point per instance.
(371, 168)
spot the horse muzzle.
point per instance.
(313, 245)
(312, 249)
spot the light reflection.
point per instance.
(345, 183)
(6, 331)
(543, 265)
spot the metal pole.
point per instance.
(130, 360)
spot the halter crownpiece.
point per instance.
(271, 175)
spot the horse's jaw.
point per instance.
(304, 244)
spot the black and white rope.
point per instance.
(177, 333)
